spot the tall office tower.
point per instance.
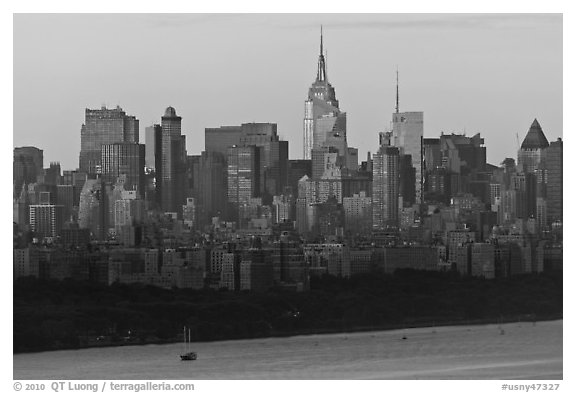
(532, 153)
(104, 126)
(153, 136)
(214, 187)
(28, 164)
(154, 163)
(508, 206)
(324, 123)
(385, 187)
(321, 156)
(432, 154)
(46, 220)
(65, 197)
(296, 170)
(173, 162)
(193, 178)
(407, 134)
(243, 174)
(464, 157)
(407, 181)
(52, 175)
(554, 186)
(220, 139)
(273, 157)
(93, 212)
(358, 214)
(124, 159)
(76, 180)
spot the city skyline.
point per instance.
(282, 52)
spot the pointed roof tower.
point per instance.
(321, 75)
(397, 93)
(535, 138)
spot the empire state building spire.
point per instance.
(321, 75)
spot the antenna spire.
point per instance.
(397, 93)
(321, 41)
(321, 76)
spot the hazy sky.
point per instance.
(491, 74)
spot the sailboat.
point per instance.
(188, 355)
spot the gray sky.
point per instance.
(491, 74)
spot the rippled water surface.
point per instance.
(524, 351)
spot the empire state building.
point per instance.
(324, 123)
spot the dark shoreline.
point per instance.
(310, 332)
(60, 315)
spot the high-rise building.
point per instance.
(532, 153)
(324, 122)
(323, 157)
(46, 220)
(104, 126)
(220, 139)
(153, 136)
(93, 212)
(243, 174)
(358, 214)
(554, 187)
(28, 164)
(407, 134)
(124, 159)
(385, 187)
(273, 157)
(65, 197)
(296, 170)
(432, 154)
(154, 164)
(214, 185)
(52, 174)
(173, 162)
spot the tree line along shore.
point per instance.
(53, 315)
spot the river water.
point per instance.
(524, 351)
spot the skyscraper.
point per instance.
(533, 149)
(243, 174)
(124, 159)
(273, 157)
(213, 184)
(46, 220)
(220, 139)
(28, 164)
(324, 123)
(385, 187)
(104, 126)
(173, 162)
(554, 187)
(93, 211)
(154, 147)
(407, 135)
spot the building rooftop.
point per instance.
(535, 138)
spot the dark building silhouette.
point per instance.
(104, 126)
(385, 187)
(296, 170)
(554, 189)
(219, 139)
(28, 164)
(173, 174)
(124, 159)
